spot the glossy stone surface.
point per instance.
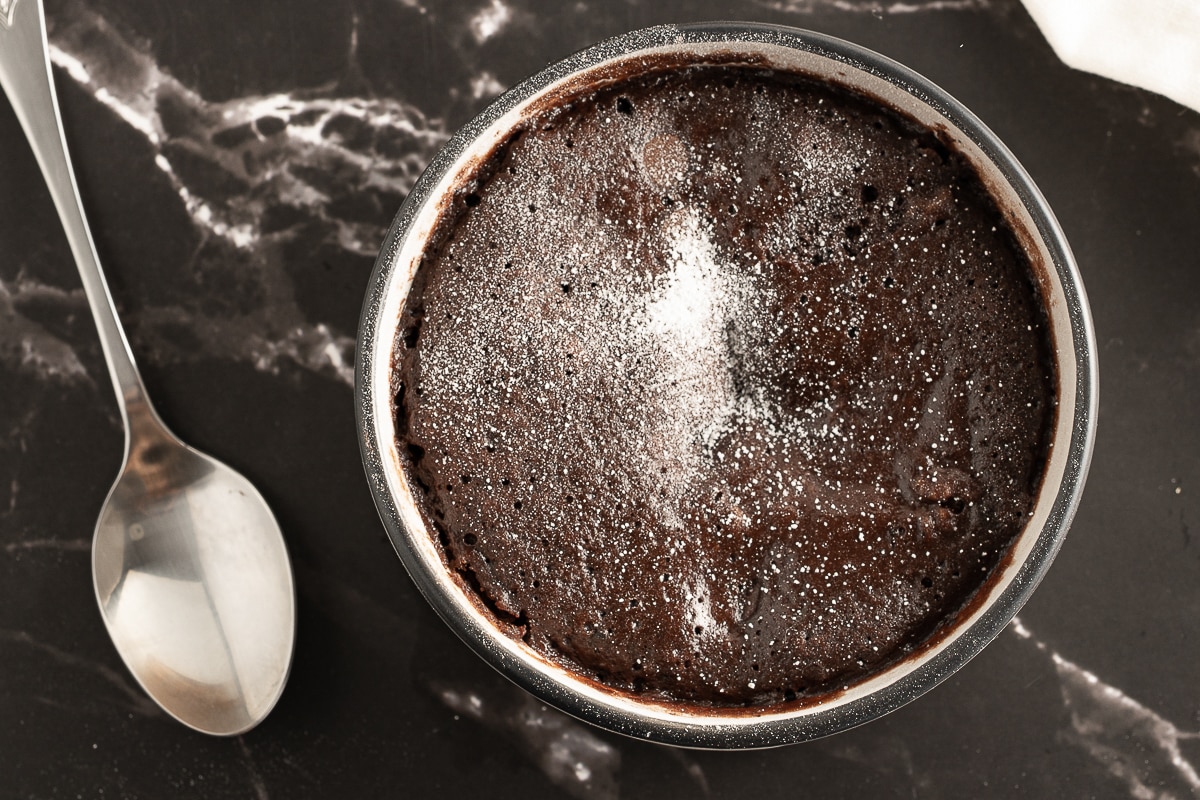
(240, 163)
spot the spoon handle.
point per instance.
(26, 79)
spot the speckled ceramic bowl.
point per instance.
(999, 599)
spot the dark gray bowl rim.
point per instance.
(740, 732)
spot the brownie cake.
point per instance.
(724, 387)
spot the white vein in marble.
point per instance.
(25, 345)
(1189, 144)
(58, 545)
(136, 701)
(567, 752)
(692, 769)
(489, 20)
(1133, 743)
(272, 163)
(485, 85)
(256, 778)
(301, 151)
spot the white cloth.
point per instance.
(1154, 44)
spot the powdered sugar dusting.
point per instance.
(687, 316)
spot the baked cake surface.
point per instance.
(724, 387)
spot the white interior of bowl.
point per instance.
(467, 611)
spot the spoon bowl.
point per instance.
(194, 584)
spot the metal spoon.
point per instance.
(190, 568)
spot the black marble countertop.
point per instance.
(240, 163)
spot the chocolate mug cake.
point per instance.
(723, 389)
